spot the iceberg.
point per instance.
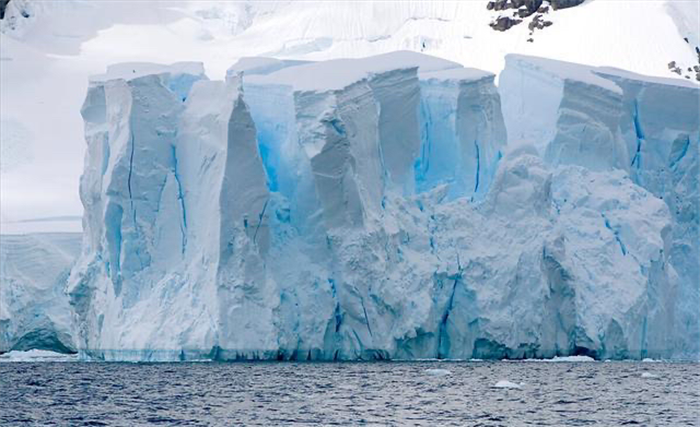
(370, 209)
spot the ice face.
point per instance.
(34, 311)
(614, 119)
(463, 132)
(369, 209)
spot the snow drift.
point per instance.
(369, 209)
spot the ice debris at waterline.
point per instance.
(508, 384)
(437, 372)
(370, 209)
(37, 356)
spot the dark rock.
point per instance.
(503, 23)
(686, 40)
(564, 4)
(538, 23)
(490, 5)
(674, 68)
(499, 5)
(543, 9)
(531, 40)
(3, 6)
(534, 5)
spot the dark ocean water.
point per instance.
(392, 393)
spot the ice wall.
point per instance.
(34, 310)
(648, 127)
(463, 133)
(369, 209)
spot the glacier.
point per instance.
(34, 310)
(648, 127)
(387, 207)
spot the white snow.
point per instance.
(649, 375)
(340, 73)
(47, 58)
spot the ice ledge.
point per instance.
(341, 73)
(132, 70)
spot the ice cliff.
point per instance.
(370, 208)
(603, 118)
(34, 311)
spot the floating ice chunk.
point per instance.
(438, 372)
(508, 384)
(37, 356)
(649, 360)
(648, 375)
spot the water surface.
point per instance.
(391, 393)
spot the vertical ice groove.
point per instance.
(132, 149)
(640, 135)
(443, 338)
(616, 233)
(260, 220)
(181, 199)
(478, 167)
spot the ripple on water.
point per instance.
(348, 394)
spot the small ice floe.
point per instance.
(37, 356)
(508, 384)
(476, 360)
(648, 375)
(649, 360)
(438, 372)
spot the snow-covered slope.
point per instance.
(296, 213)
(34, 310)
(48, 48)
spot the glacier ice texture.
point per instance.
(373, 209)
(34, 310)
(646, 126)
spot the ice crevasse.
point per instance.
(372, 209)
